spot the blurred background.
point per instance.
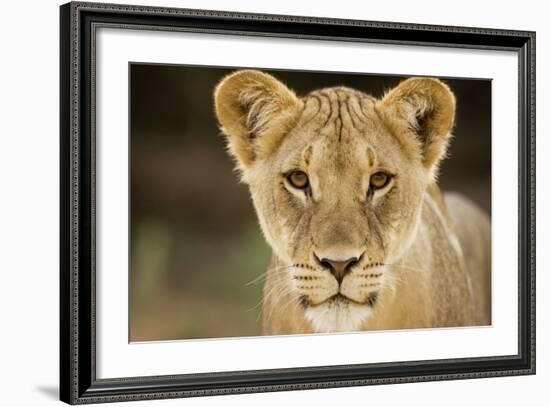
(196, 247)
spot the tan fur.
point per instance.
(424, 259)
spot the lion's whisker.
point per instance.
(276, 285)
(282, 294)
(264, 274)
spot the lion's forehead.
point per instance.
(340, 125)
(338, 113)
(339, 141)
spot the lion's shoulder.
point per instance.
(473, 228)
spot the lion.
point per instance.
(344, 186)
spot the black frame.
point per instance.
(78, 382)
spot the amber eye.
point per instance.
(379, 180)
(298, 179)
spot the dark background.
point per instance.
(196, 247)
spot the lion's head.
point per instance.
(337, 178)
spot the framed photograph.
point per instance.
(254, 203)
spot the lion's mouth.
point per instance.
(340, 298)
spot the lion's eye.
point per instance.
(298, 179)
(379, 180)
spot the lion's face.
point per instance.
(337, 179)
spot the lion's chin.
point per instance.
(338, 314)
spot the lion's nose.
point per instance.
(339, 268)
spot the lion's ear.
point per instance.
(255, 112)
(426, 108)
